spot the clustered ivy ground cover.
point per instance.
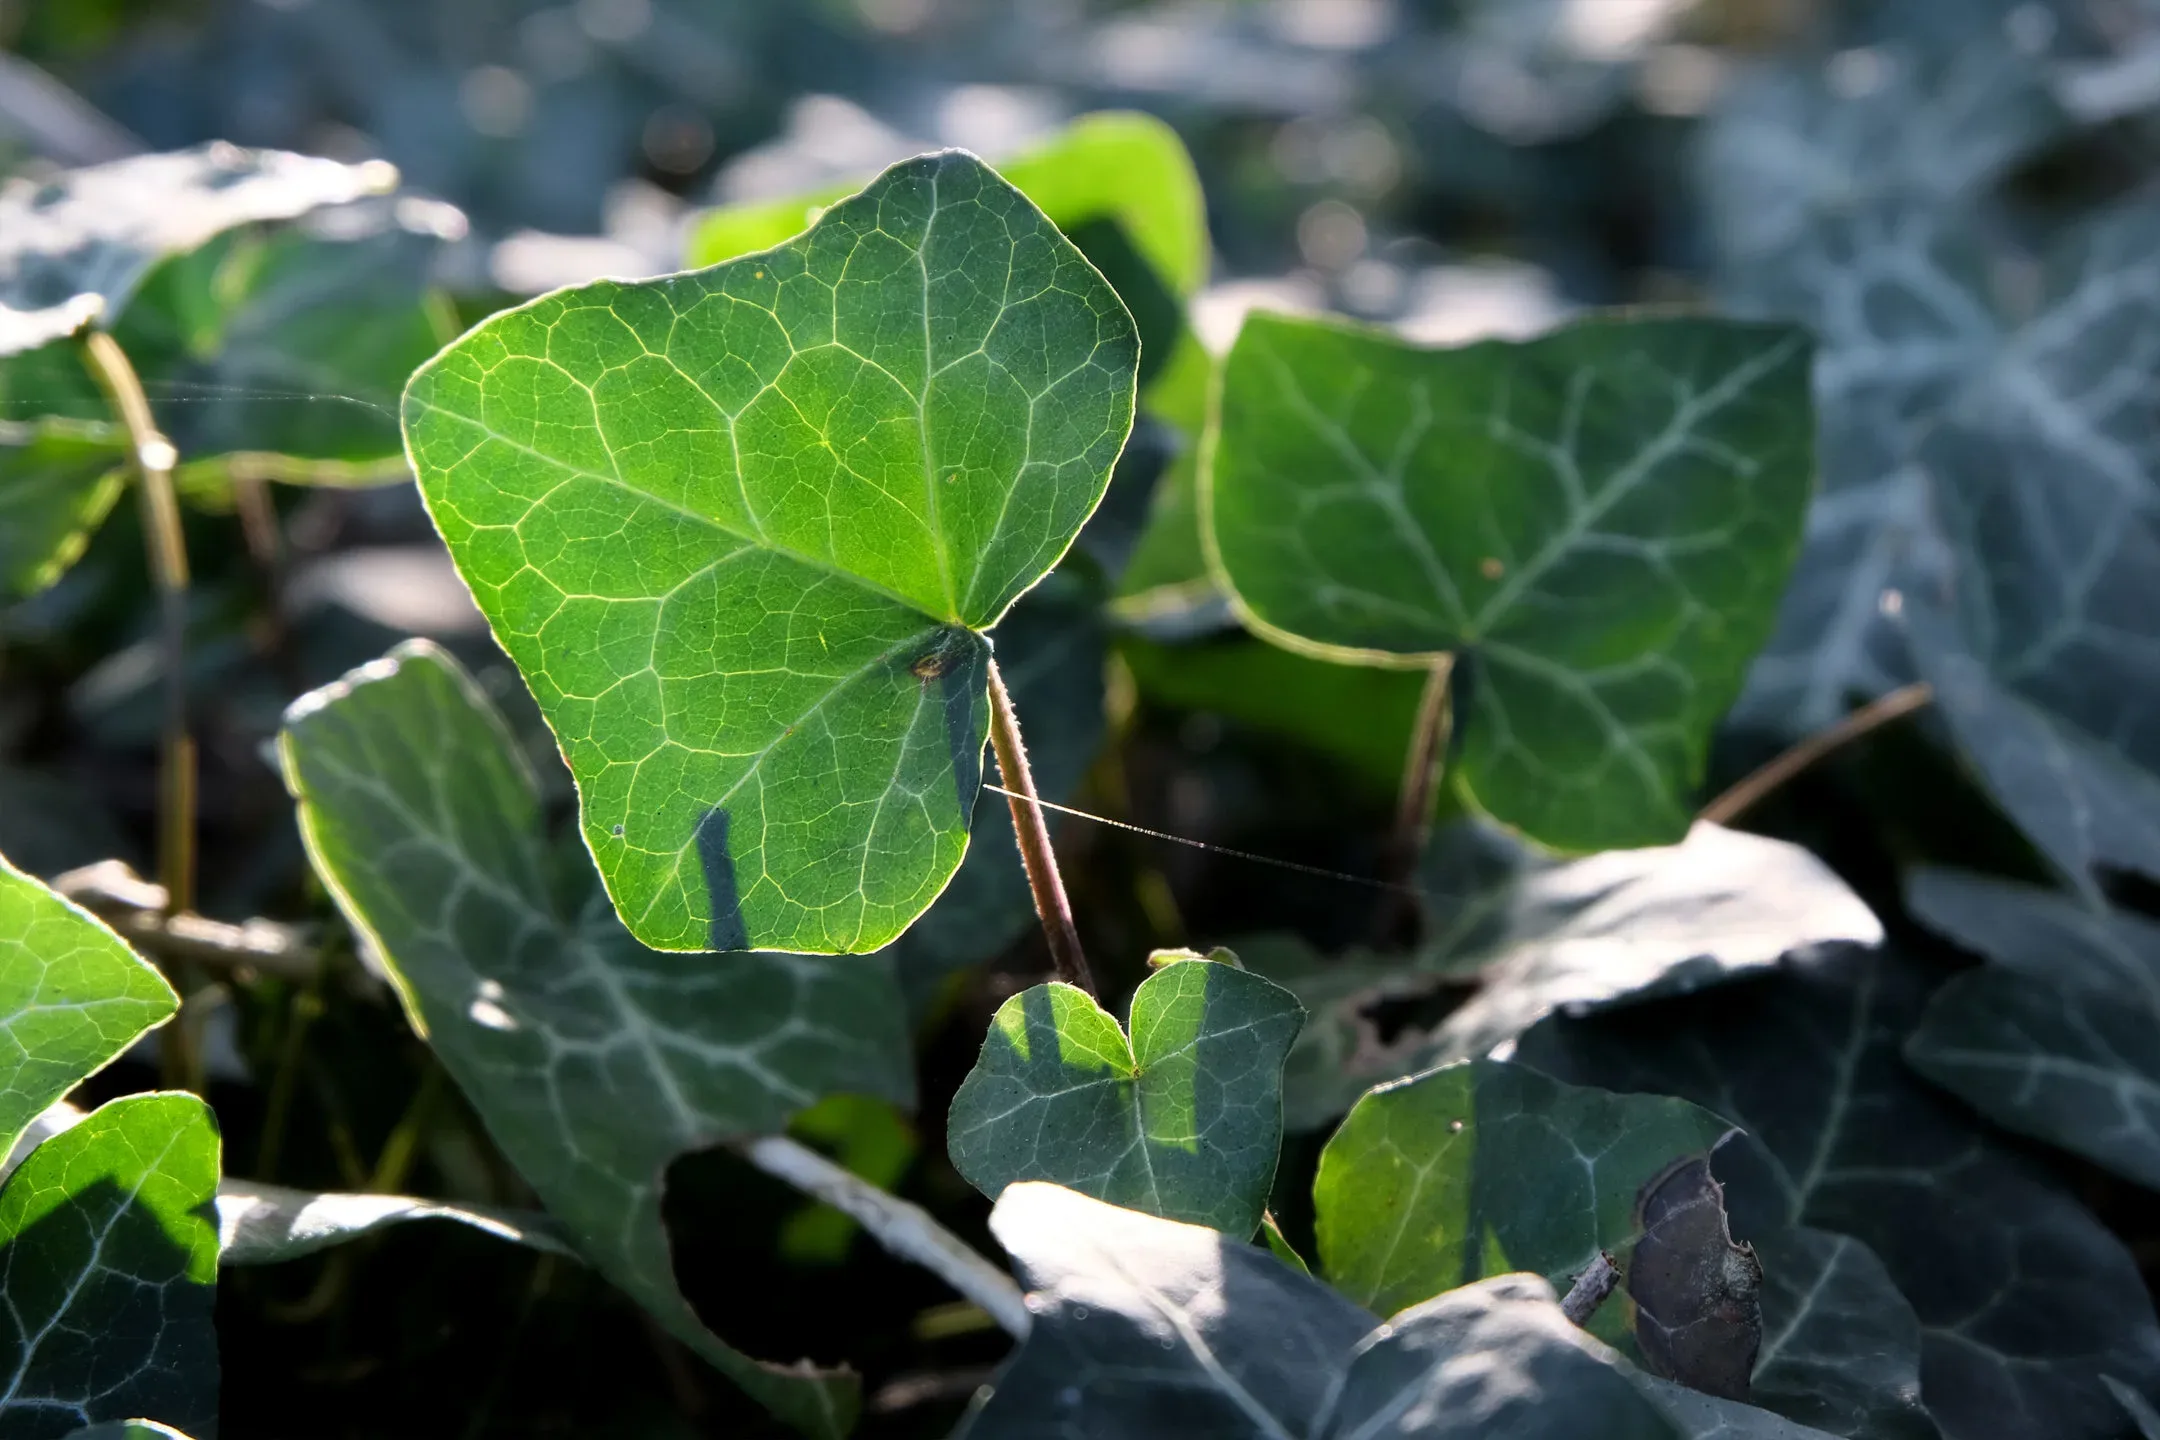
(1592, 1116)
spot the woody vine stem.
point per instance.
(1033, 833)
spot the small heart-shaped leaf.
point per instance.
(1183, 1120)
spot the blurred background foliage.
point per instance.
(1457, 168)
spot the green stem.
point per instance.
(154, 459)
(1033, 833)
(1421, 770)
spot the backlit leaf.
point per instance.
(73, 997)
(741, 529)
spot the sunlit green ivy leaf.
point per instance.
(97, 231)
(1598, 523)
(108, 1272)
(2060, 1039)
(741, 530)
(1119, 184)
(263, 1224)
(592, 1060)
(73, 997)
(1534, 936)
(1841, 1346)
(2024, 1299)
(1183, 1120)
(128, 1430)
(1144, 1327)
(58, 478)
(1484, 1168)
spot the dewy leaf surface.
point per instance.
(1598, 523)
(97, 231)
(2060, 1038)
(108, 1272)
(1616, 928)
(1184, 1120)
(2024, 1299)
(1484, 1168)
(73, 997)
(58, 479)
(741, 529)
(1147, 1328)
(592, 1060)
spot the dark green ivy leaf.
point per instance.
(1597, 524)
(592, 1060)
(108, 1272)
(1182, 1120)
(2060, 1038)
(2024, 1299)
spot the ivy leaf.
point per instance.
(108, 1271)
(1619, 928)
(73, 998)
(2042, 651)
(2060, 1039)
(1841, 1345)
(1853, 203)
(263, 1224)
(1598, 524)
(741, 530)
(128, 1430)
(1361, 717)
(592, 1060)
(301, 338)
(1119, 184)
(2024, 1299)
(98, 231)
(1492, 1358)
(58, 479)
(1145, 1327)
(1484, 1168)
(1183, 1120)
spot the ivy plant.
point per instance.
(1604, 1116)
